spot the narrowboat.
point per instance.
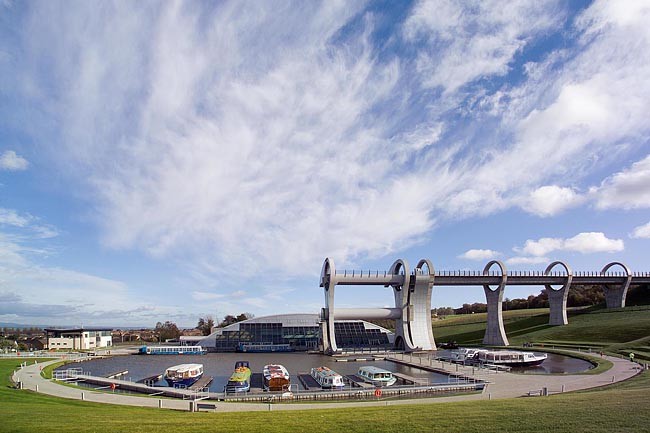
(377, 376)
(172, 350)
(183, 374)
(240, 380)
(326, 378)
(276, 377)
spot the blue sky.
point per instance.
(169, 160)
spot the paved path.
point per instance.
(501, 385)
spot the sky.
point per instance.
(166, 160)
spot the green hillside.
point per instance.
(615, 331)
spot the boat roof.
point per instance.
(185, 367)
(508, 352)
(372, 369)
(326, 371)
(276, 370)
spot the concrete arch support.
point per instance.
(557, 297)
(615, 296)
(420, 327)
(328, 279)
(495, 333)
(402, 301)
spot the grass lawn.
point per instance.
(613, 331)
(619, 408)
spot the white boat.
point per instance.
(511, 358)
(327, 378)
(377, 376)
(465, 354)
(183, 374)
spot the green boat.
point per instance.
(240, 380)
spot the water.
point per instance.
(221, 365)
(556, 364)
(553, 364)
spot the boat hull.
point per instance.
(175, 383)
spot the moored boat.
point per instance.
(511, 358)
(240, 379)
(327, 378)
(183, 374)
(264, 347)
(172, 350)
(276, 377)
(464, 354)
(377, 376)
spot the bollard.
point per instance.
(83, 396)
(269, 406)
(20, 385)
(545, 391)
(563, 388)
(36, 387)
(613, 379)
(159, 403)
(191, 406)
(489, 396)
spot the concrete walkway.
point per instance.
(501, 385)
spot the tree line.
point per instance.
(579, 296)
(169, 330)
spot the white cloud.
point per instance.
(642, 231)
(471, 41)
(230, 140)
(206, 296)
(9, 160)
(527, 260)
(593, 242)
(585, 243)
(550, 200)
(12, 218)
(478, 254)
(628, 189)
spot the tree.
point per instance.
(205, 325)
(230, 319)
(167, 331)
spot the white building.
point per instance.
(78, 338)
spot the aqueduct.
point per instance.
(412, 290)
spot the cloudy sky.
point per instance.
(168, 160)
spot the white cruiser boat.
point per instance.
(327, 378)
(377, 376)
(183, 374)
(465, 354)
(511, 358)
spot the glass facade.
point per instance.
(354, 335)
(297, 337)
(351, 334)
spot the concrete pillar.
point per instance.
(419, 322)
(403, 302)
(495, 333)
(615, 296)
(557, 297)
(328, 278)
